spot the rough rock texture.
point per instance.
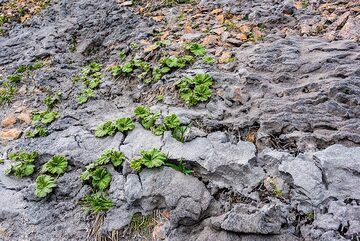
(275, 152)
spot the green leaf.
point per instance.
(113, 156)
(51, 100)
(125, 124)
(127, 68)
(56, 165)
(159, 130)
(202, 92)
(101, 179)
(149, 121)
(136, 164)
(98, 202)
(208, 59)
(153, 158)
(142, 111)
(49, 117)
(44, 185)
(196, 49)
(105, 129)
(15, 78)
(172, 121)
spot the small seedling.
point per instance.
(44, 185)
(195, 89)
(85, 95)
(7, 92)
(208, 60)
(124, 124)
(150, 159)
(44, 117)
(180, 166)
(51, 100)
(196, 49)
(101, 179)
(24, 165)
(56, 165)
(98, 202)
(106, 129)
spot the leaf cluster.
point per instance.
(150, 159)
(195, 89)
(97, 202)
(46, 182)
(91, 77)
(109, 128)
(146, 118)
(24, 164)
(7, 92)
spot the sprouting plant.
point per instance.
(106, 129)
(179, 133)
(101, 179)
(2, 161)
(160, 98)
(7, 92)
(44, 117)
(140, 223)
(172, 121)
(310, 216)
(44, 185)
(85, 95)
(150, 159)
(208, 59)
(133, 46)
(159, 130)
(51, 100)
(14, 78)
(196, 49)
(122, 55)
(98, 202)
(196, 89)
(229, 25)
(149, 121)
(124, 124)
(56, 165)
(113, 156)
(91, 76)
(180, 166)
(24, 165)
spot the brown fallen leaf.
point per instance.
(244, 29)
(158, 18)
(218, 31)
(216, 11)
(150, 48)
(210, 39)
(220, 18)
(225, 57)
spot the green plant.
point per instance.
(124, 124)
(179, 133)
(101, 179)
(56, 165)
(159, 130)
(140, 223)
(38, 131)
(180, 166)
(196, 49)
(147, 119)
(106, 129)
(2, 161)
(91, 76)
(172, 121)
(160, 98)
(208, 59)
(310, 216)
(122, 55)
(14, 78)
(196, 89)
(98, 202)
(150, 159)
(24, 165)
(85, 95)
(113, 156)
(44, 185)
(44, 117)
(51, 100)
(7, 92)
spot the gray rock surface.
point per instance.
(275, 152)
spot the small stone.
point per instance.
(25, 117)
(11, 134)
(235, 42)
(210, 39)
(351, 29)
(8, 121)
(225, 57)
(218, 31)
(126, 3)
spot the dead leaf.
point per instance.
(257, 33)
(216, 11)
(218, 31)
(188, 28)
(158, 18)
(220, 18)
(210, 39)
(11, 134)
(225, 57)
(150, 48)
(244, 29)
